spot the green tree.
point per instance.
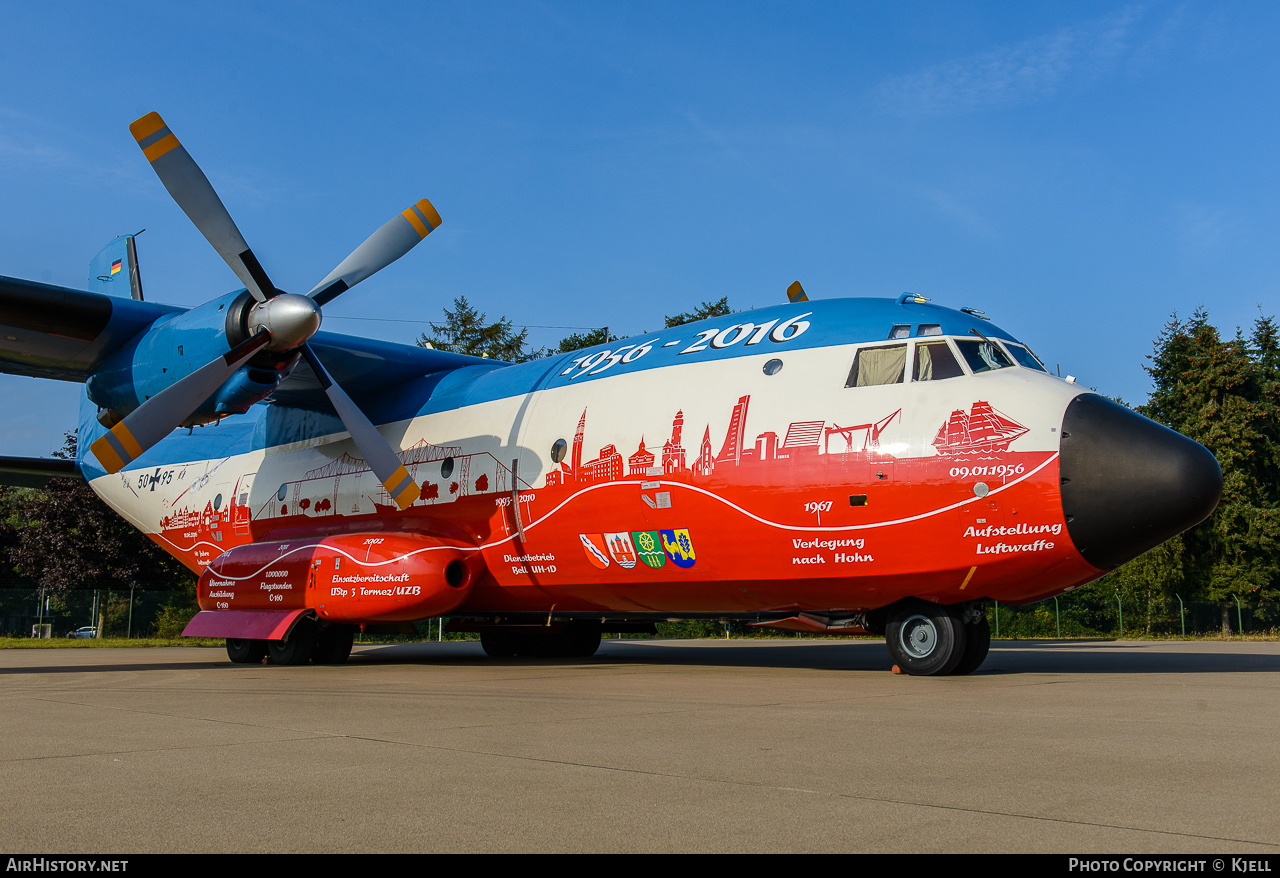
(66, 537)
(1225, 394)
(718, 308)
(466, 331)
(579, 340)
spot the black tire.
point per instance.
(246, 652)
(333, 645)
(584, 639)
(499, 644)
(298, 648)
(925, 639)
(544, 645)
(976, 646)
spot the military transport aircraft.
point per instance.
(839, 466)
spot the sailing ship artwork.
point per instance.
(981, 430)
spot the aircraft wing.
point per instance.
(36, 472)
(54, 332)
(364, 366)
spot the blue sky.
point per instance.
(1078, 170)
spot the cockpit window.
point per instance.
(928, 329)
(882, 365)
(934, 362)
(982, 355)
(1025, 358)
(902, 330)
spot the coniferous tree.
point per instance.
(465, 331)
(579, 340)
(1225, 394)
(718, 308)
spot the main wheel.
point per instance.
(976, 646)
(584, 639)
(925, 639)
(544, 645)
(499, 644)
(246, 652)
(333, 645)
(298, 648)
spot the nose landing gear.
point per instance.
(927, 639)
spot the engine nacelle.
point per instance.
(367, 577)
(175, 346)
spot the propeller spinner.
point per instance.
(277, 321)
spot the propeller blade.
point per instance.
(397, 237)
(372, 444)
(795, 293)
(158, 416)
(193, 192)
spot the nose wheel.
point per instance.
(927, 639)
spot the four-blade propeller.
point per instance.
(278, 321)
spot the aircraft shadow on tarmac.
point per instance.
(1007, 657)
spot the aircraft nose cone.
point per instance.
(1128, 483)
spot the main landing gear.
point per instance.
(308, 642)
(576, 639)
(927, 639)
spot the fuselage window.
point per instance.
(934, 362)
(982, 356)
(872, 366)
(902, 330)
(925, 329)
(1024, 357)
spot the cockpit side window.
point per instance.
(879, 365)
(928, 329)
(934, 362)
(1022, 354)
(982, 355)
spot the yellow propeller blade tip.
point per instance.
(143, 128)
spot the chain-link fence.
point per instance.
(145, 610)
(160, 610)
(1090, 616)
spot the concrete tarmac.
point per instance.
(715, 746)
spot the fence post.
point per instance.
(1057, 617)
(1121, 606)
(997, 603)
(40, 614)
(1239, 618)
(1182, 613)
(129, 633)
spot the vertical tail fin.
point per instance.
(114, 271)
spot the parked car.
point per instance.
(86, 633)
